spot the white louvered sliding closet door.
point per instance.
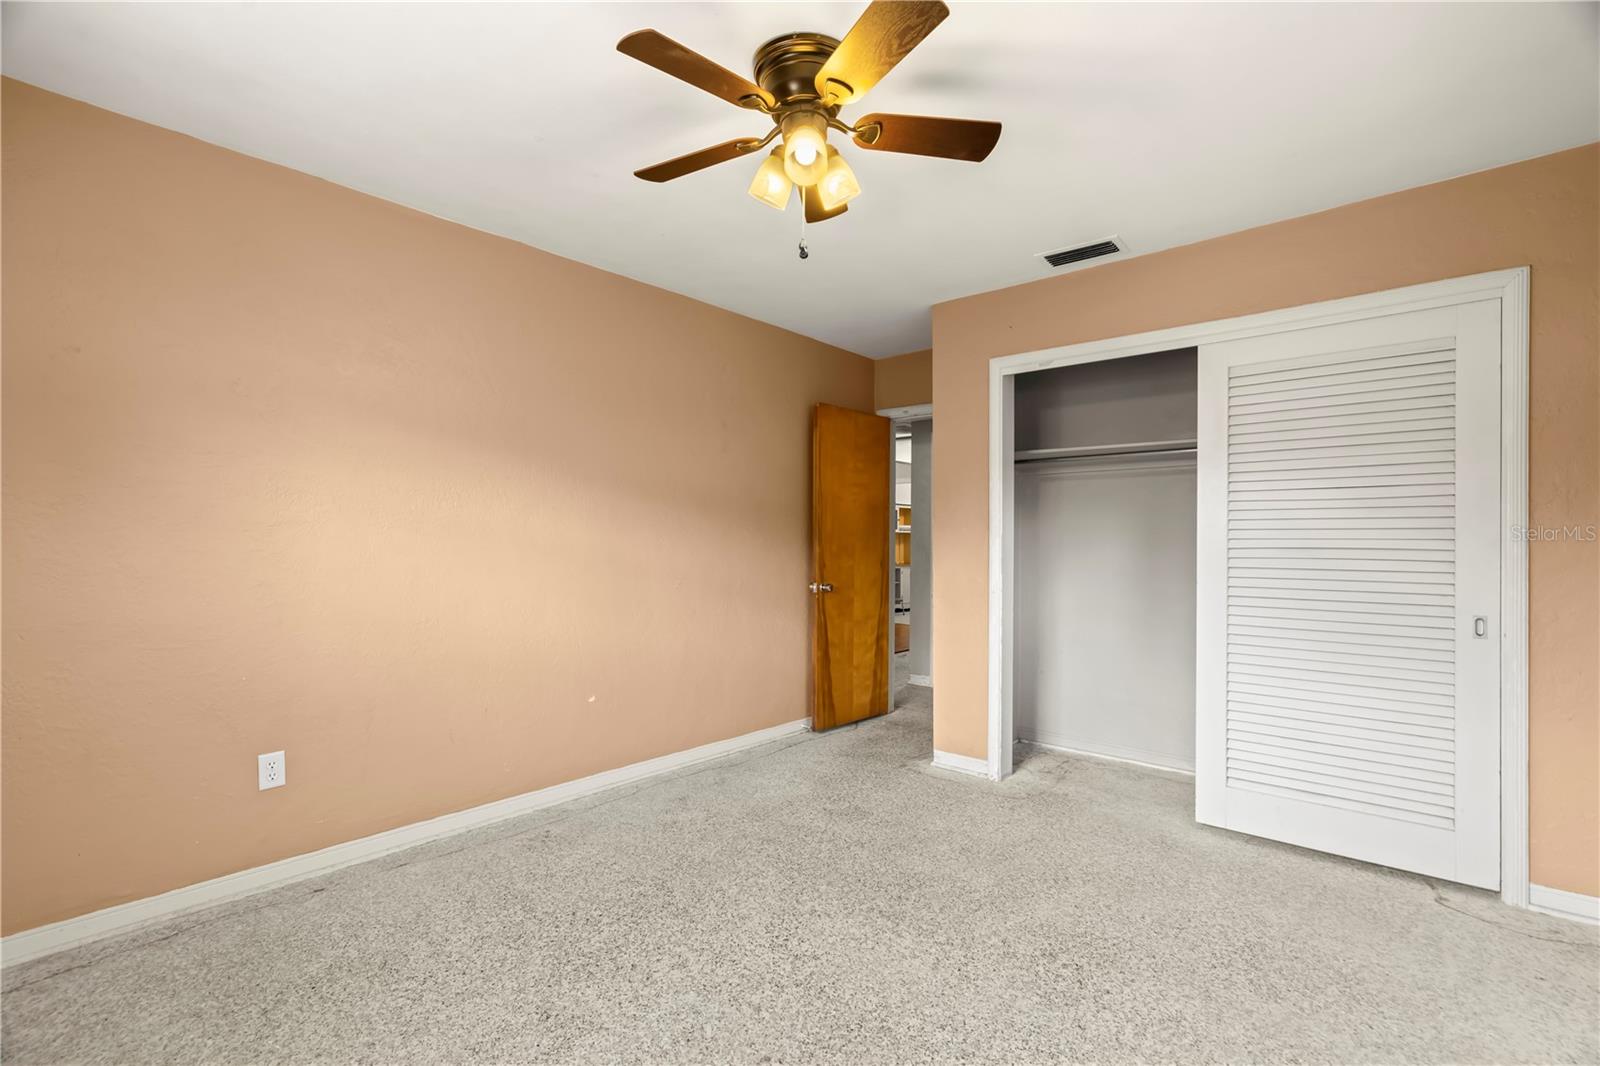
(1348, 685)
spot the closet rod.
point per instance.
(1103, 451)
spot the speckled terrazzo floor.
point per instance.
(834, 899)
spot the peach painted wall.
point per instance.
(1544, 213)
(903, 380)
(445, 517)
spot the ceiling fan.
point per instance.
(801, 81)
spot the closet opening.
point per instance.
(1103, 608)
(1360, 614)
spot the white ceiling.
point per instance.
(1164, 124)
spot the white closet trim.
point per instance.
(1510, 287)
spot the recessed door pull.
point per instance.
(1480, 626)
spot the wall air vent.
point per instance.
(1095, 250)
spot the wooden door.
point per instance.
(1349, 584)
(850, 478)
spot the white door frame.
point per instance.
(1510, 287)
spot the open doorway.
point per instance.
(911, 538)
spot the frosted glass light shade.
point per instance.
(838, 186)
(771, 185)
(805, 147)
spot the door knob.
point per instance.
(821, 586)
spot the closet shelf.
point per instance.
(1101, 451)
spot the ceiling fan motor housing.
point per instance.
(787, 67)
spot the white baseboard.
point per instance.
(961, 764)
(1152, 760)
(919, 679)
(47, 939)
(1563, 904)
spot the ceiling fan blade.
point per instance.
(705, 157)
(947, 138)
(881, 37)
(670, 57)
(815, 212)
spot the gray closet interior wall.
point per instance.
(1105, 560)
(1114, 401)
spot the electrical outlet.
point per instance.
(269, 770)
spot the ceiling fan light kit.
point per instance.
(801, 82)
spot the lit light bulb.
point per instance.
(805, 147)
(838, 186)
(771, 185)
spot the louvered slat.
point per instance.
(1276, 786)
(1380, 664)
(1380, 429)
(1341, 527)
(1366, 412)
(1401, 725)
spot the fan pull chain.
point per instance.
(805, 253)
